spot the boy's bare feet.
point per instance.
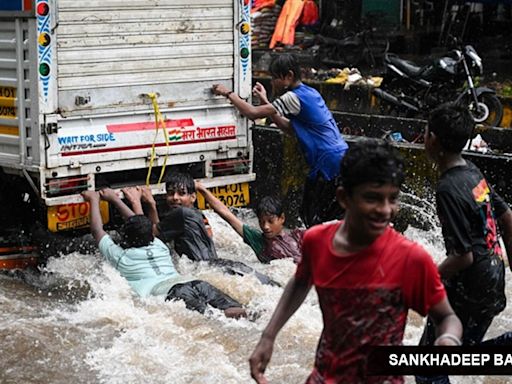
(235, 312)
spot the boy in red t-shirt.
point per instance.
(366, 275)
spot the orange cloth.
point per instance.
(284, 31)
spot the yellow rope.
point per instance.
(159, 122)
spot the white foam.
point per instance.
(93, 329)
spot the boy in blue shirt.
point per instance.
(146, 263)
(301, 109)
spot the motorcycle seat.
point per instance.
(406, 66)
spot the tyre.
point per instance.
(489, 110)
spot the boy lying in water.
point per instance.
(145, 261)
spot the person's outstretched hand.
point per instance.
(108, 194)
(91, 196)
(146, 195)
(259, 360)
(199, 186)
(260, 91)
(132, 194)
(219, 89)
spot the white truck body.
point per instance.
(75, 80)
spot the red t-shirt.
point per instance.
(364, 298)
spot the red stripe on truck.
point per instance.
(144, 126)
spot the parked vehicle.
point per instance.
(411, 90)
(116, 93)
(348, 51)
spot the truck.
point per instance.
(116, 93)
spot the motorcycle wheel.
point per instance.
(489, 111)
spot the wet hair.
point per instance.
(282, 64)
(137, 232)
(269, 205)
(452, 125)
(371, 161)
(176, 180)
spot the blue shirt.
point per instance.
(149, 270)
(317, 132)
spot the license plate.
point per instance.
(8, 102)
(71, 216)
(232, 195)
(7, 92)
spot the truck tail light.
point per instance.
(66, 186)
(224, 167)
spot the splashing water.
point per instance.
(422, 213)
(79, 322)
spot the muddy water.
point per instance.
(80, 323)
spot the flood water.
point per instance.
(79, 323)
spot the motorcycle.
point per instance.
(348, 51)
(409, 90)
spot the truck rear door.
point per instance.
(110, 57)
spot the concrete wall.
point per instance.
(281, 171)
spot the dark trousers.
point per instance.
(474, 329)
(319, 202)
(503, 339)
(197, 294)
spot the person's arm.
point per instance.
(220, 209)
(455, 263)
(134, 196)
(137, 195)
(265, 109)
(293, 295)
(281, 122)
(93, 198)
(248, 110)
(150, 203)
(111, 196)
(448, 325)
(456, 228)
(505, 224)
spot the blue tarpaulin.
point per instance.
(15, 5)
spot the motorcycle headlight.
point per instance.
(475, 59)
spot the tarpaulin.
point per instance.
(310, 14)
(284, 32)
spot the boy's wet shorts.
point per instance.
(319, 202)
(197, 294)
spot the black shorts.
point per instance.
(197, 294)
(319, 202)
